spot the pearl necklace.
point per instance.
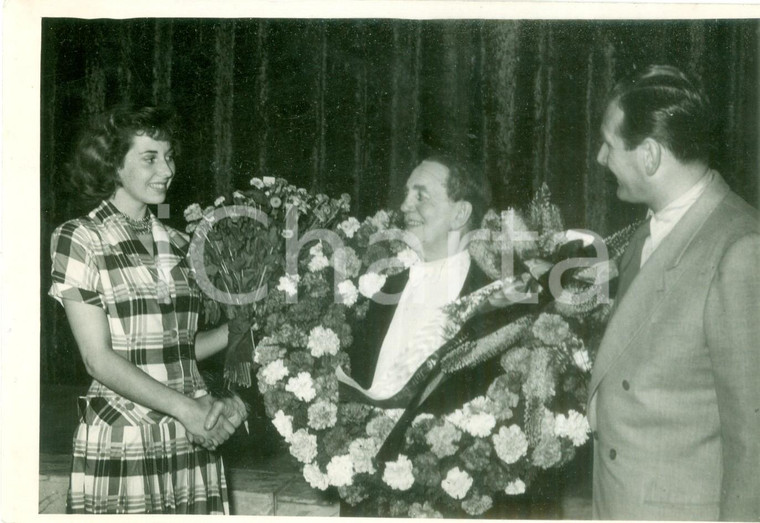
(138, 226)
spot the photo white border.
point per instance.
(19, 176)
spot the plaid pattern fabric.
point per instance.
(127, 457)
(147, 468)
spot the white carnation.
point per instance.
(274, 372)
(515, 487)
(474, 417)
(302, 386)
(480, 425)
(381, 219)
(289, 284)
(318, 259)
(398, 474)
(319, 262)
(478, 404)
(456, 418)
(193, 212)
(349, 227)
(322, 415)
(323, 341)
(456, 483)
(371, 283)
(362, 451)
(575, 427)
(510, 444)
(348, 292)
(314, 477)
(284, 424)
(268, 180)
(340, 471)
(303, 446)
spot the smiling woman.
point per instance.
(144, 442)
(145, 176)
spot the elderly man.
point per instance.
(442, 203)
(675, 391)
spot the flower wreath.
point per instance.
(532, 416)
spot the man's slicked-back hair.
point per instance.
(466, 182)
(666, 104)
(103, 145)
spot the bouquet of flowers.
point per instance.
(238, 250)
(532, 416)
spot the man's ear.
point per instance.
(462, 214)
(650, 152)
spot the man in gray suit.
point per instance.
(674, 398)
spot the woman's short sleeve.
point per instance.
(75, 275)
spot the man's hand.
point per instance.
(230, 409)
(193, 419)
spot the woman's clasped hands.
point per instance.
(211, 421)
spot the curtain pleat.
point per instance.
(540, 110)
(359, 124)
(95, 84)
(262, 94)
(353, 105)
(404, 108)
(223, 100)
(593, 185)
(697, 39)
(321, 117)
(499, 135)
(162, 62)
(124, 64)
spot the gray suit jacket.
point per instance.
(674, 398)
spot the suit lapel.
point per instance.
(476, 279)
(647, 289)
(631, 261)
(378, 320)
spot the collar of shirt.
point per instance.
(662, 222)
(432, 273)
(417, 327)
(165, 259)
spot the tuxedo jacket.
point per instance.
(674, 398)
(449, 396)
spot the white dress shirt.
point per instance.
(661, 223)
(417, 328)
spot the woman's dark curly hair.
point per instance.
(102, 147)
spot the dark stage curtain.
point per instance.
(352, 106)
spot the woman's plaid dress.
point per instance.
(127, 457)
